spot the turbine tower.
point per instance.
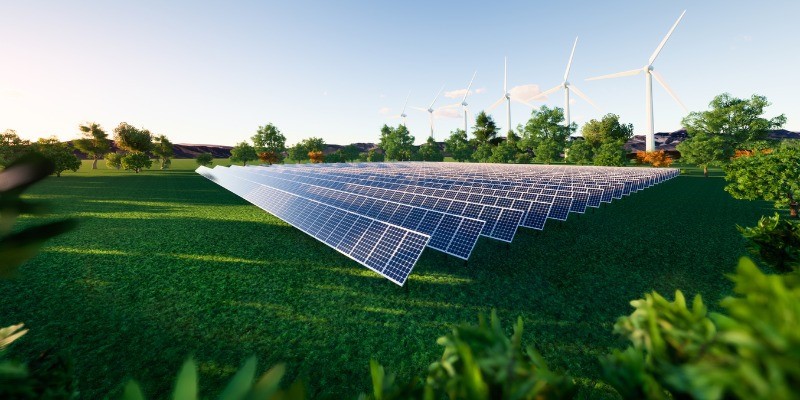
(506, 96)
(567, 87)
(430, 109)
(650, 73)
(464, 101)
(403, 113)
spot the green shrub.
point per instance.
(775, 241)
(136, 162)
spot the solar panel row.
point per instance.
(383, 214)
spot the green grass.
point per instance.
(166, 264)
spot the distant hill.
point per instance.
(668, 140)
(183, 150)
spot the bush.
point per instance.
(268, 157)
(658, 158)
(136, 162)
(205, 159)
(775, 241)
(316, 157)
(113, 160)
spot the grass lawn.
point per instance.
(166, 264)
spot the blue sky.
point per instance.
(212, 72)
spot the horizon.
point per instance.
(213, 73)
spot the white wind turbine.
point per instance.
(650, 73)
(567, 87)
(430, 108)
(464, 102)
(403, 113)
(506, 97)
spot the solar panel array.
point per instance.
(382, 215)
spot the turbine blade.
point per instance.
(520, 101)
(469, 86)
(545, 93)
(618, 74)
(572, 54)
(419, 109)
(666, 87)
(437, 96)
(505, 76)
(495, 104)
(406, 103)
(584, 96)
(664, 41)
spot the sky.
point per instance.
(213, 72)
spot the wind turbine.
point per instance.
(464, 101)
(567, 87)
(430, 109)
(403, 113)
(650, 73)
(506, 96)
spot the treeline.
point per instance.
(136, 148)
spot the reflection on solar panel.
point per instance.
(383, 215)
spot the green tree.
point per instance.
(299, 152)
(205, 159)
(579, 152)
(485, 129)
(162, 148)
(610, 154)
(606, 130)
(59, 154)
(397, 143)
(483, 152)
(458, 146)
(270, 140)
(132, 139)
(739, 120)
(375, 156)
(505, 152)
(12, 147)
(771, 176)
(243, 153)
(94, 143)
(545, 131)
(350, 153)
(705, 150)
(335, 157)
(430, 151)
(113, 160)
(136, 162)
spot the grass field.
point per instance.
(166, 264)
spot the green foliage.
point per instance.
(136, 162)
(299, 152)
(132, 139)
(335, 157)
(606, 130)
(349, 153)
(430, 151)
(243, 153)
(12, 147)
(705, 150)
(375, 156)
(483, 152)
(775, 241)
(485, 129)
(580, 152)
(205, 159)
(94, 143)
(749, 352)
(458, 146)
(113, 160)
(240, 387)
(772, 177)
(269, 139)
(397, 143)
(738, 120)
(505, 152)
(610, 154)
(59, 154)
(545, 132)
(162, 149)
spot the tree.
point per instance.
(375, 156)
(705, 150)
(205, 159)
(162, 148)
(458, 146)
(430, 151)
(607, 130)
(243, 153)
(136, 162)
(482, 153)
(397, 143)
(113, 160)
(504, 152)
(132, 139)
(350, 152)
(739, 120)
(270, 140)
(545, 130)
(59, 154)
(12, 147)
(94, 143)
(300, 151)
(485, 129)
(773, 176)
(316, 156)
(335, 157)
(579, 152)
(610, 154)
